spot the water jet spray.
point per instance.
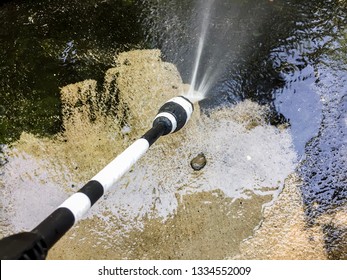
(171, 117)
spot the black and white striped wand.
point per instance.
(172, 116)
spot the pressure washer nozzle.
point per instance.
(175, 113)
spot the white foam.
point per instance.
(30, 191)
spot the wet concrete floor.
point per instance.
(246, 203)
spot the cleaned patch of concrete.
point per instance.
(283, 233)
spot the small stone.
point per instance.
(198, 162)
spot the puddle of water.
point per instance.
(325, 166)
(314, 101)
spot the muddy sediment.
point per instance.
(161, 209)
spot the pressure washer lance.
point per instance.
(172, 116)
